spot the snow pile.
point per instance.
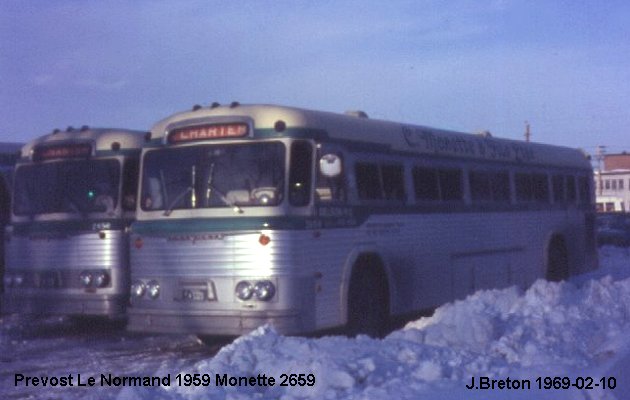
(573, 329)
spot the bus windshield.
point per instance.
(210, 176)
(81, 186)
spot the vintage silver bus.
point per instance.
(66, 247)
(306, 220)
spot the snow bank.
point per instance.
(574, 329)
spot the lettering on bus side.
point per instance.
(329, 211)
(195, 238)
(487, 148)
(332, 217)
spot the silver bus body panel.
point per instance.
(51, 265)
(429, 262)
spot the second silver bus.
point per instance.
(73, 200)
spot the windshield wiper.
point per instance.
(176, 200)
(224, 199)
(209, 189)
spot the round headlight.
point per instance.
(85, 278)
(138, 289)
(18, 280)
(264, 290)
(153, 289)
(101, 279)
(244, 290)
(8, 280)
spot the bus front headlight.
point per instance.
(264, 290)
(153, 289)
(101, 279)
(244, 290)
(86, 278)
(138, 288)
(18, 280)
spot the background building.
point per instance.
(612, 182)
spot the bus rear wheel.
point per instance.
(558, 261)
(368, 302)
(214, 342)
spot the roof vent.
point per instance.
(357, 113)
(484, 134)
(215, 104)
(234, 104)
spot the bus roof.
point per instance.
(103, 139)
(358, 128)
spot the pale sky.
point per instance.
(476, 65)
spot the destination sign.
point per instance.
(208, 132)
(62, 151)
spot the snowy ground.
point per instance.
(576, 332)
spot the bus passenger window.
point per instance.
(480, 186)
(571, 195)
(557, 183)
(300, 173)
(425, 183)
(540, 186)
(393, 182)
(524, 191)
(500, 182)
(368, 181)
(451, 184)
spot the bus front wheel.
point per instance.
(368, 301)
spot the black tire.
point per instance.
(368, 302)
(214, 342)
(558, 261)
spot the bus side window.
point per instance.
(500, 182)
(300, 173)
(489, 186)
(559, 191)
(524, 191)
(368, 181)
(393, 182)
(571, 195)
(480, 189)
(330, 189)
(425, 184)
(451, 184)
(540, 186)
(130, 184)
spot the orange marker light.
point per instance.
(264, 239)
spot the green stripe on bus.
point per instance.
(68, 227)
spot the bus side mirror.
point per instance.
(330, 165)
